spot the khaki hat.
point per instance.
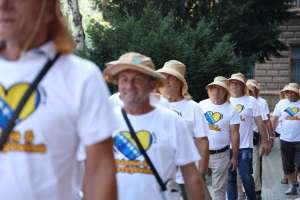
(131, 61)
(238, 77)
(177, 69)
(220, 81)
(251, 83)
(294, 87)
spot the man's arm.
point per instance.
(193, 182)
(100, 180)
(265, 148)
(274, 121)
(235, 143)
(202, 146)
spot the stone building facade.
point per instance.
(274, 74)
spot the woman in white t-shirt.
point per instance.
(175, 90)
(289, 112)
(223, 121)
(69, 107)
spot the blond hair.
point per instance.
(59, 32)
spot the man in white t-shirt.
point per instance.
(155, 100)
(248, 110)
(162, 133)
(39, 160)
(175, 90)
(223, 122)
(288, 111)
(254, 88)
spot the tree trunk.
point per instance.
(79, 35)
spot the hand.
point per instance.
(233, 164)
(265, 148)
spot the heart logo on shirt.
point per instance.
(9, 100)
(213, 117)
(292, 111)
(239, 108)
(125, 144)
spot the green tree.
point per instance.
(205, 54)
(210, 37)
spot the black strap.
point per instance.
(5, 134)
(141, 148)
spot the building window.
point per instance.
(295, 64)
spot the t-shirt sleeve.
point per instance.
(264, 115)
(266, 107)
(200, 125)
(277, 111)
(256, 109)
(96, 119)
(235, 119)
(186, 151)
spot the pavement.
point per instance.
(272, 189)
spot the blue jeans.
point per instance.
(245, 170)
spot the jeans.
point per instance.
(245, 170)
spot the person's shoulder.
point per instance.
(167, 113)
(204, 102)
(78, 64)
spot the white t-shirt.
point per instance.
(165, 137)
(289, 114)
(264, 108)
(192, 114)
(247, 108)
(279, 124)
(219, 118)
(40, 160)
(155, 100)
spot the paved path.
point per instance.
(272, 173)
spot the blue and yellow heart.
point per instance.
(125, 144)
(239, 108)
(10, 98)
(213, 117)
(292, 110)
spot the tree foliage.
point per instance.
(210, 38)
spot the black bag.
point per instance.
(256, 138)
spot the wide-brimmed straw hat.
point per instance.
(238, 77)
(131, 61)
(177, 69)
(241, 78)
(293, 87)
(220, 81)
(251, 84)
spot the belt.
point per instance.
(219, 150)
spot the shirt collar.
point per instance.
(46, 49)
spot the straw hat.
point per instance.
(131, 61)
(294, 87)
(251, 84)
(177, 69)
(241, 78)
(238, 77)
(220, 81)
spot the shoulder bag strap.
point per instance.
(4, 135)
(141, 148)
